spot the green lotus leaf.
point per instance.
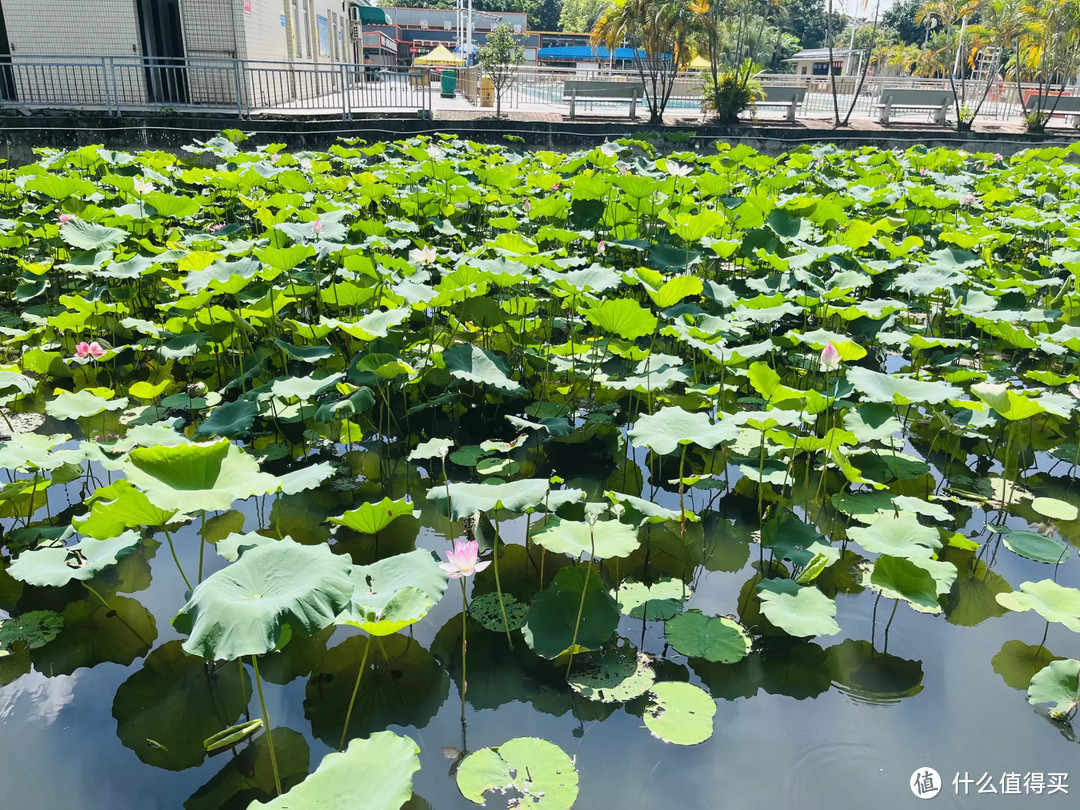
(536, 770)
(56, 566)
(230, 419)
(487, 611)
(680, 713)
(91, 236)
(33, 629)
(798, 610)
(1055, 509)
(431, 449)
(201, 476)
(524, 495)
(372, 518)
(918, 581)
(471, 363)
(234, 544)
(614, 676)
(1035, 546)
(303, 389)
(125, 508)
(549, 628)
(897, 390)
(379, 768)
(657, 602)
(1055, 603)
(244, 608)
(622, 317)
(172, 702)
(898, 535)
(1006, 402)
(604, 539)
(1059, 684)
(669, 428)
(714, 638)
(305, 478)
(82, 405)
(393, 593)
(36, 451)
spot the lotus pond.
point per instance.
(431, 474)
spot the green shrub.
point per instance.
(734, 92)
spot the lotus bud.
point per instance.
(196, 389)
(830, 358)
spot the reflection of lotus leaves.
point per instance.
(519, 572)
(614, 676)
(35, 628)
(872, 676)
(485, 609)
(402, 685)
(973, 598)
(797, 670)
(555, 612)
(249, 776)
(94, 634)
(166, 710)
(1017, 662)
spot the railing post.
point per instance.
(346, 102)
(105, 87)
(239, 90)
(115, 86)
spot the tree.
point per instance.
(901, 19)
(808, 22)
(581, 15)
(1048, 53)
(499, 59)
(660, 32)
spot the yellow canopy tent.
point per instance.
(439, 56)
(698, 63)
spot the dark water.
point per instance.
(820, 724)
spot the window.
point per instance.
(324, 36)
(298, 50)
(804, 70)
(307, 29)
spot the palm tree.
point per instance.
(1002, 23)
(1048, 50)
(660, 32)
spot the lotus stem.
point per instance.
(266, 724)
(355, 690)
(1046, 632)
(176, 559)
(498, 584)
(464, 628)
(581, 604)
(202, 542)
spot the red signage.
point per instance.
(414, 50)
(247, 6)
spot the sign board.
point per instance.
(282, 20)
(355, 27)
(247, 6)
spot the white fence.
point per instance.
(244, 87)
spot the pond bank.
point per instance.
(21, 134)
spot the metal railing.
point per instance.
(120, 84)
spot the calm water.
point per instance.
(798, 726)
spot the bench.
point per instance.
(1066, 106)
(935, 102)
(592, 90)
(786, 98)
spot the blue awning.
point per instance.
(586, 53)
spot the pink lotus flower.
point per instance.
(969, 199)
(66, 218)
(92, 350)
(317, 226)
(463, 560)
(830, 358)
(998, 157)
(216, 228)
(526, 205)
(601, 247)
(922, 172)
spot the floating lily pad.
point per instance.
(1035, 546)
(615, 676)
(714, 638)
(656, 602)
(32, 629)
(538, 773)
(1058, 684)
(486, 610)
(680, 713)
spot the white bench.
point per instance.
(593, 90)
(786, 98)
(1066, 106)
(935, 102)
